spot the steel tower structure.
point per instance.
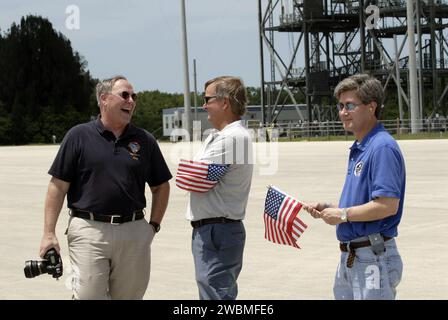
(332, 39)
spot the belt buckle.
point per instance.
(348, 246)
(112, 220)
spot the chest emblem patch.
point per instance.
(358, 168)
(134, 148)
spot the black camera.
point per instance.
(52, 264)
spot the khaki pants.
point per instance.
(109, 261)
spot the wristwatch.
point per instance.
(155, 225)
(344, 215)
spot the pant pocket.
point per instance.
(394, 266)
(366, 256)
(226, 236)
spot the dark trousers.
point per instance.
(218, 259)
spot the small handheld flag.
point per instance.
(282, 224)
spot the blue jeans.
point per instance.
(218, 259)
(371, 277)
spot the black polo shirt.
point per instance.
(108, 175)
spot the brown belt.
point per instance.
(198, 223)
(353, 246)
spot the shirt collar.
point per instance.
(234, 124)
(130, 129)
(99, 125)
(366, 140)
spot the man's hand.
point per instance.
(49, 240)
(332, 216)
(314, 209)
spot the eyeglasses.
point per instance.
(348, 106)
(125, 95)
(207, 99)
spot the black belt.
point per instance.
(112, 219)
(198, 223)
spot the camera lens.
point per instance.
(32, 268)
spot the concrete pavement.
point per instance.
(310, 171)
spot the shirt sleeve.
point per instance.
(387, 173)
(64, 165)
(158, 172)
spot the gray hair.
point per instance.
(106, 85)
(367, 89)
(232, 88)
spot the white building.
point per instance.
(173, 118)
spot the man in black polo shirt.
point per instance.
(103, 167)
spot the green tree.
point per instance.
(41, 76)
(148, 114)
(5, 124)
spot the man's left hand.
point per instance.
(332, 216)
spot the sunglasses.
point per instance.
(125, 95)
(207, 99)
(348, 106)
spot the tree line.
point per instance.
(46, 88)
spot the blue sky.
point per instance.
(141, 39)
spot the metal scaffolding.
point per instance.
(332, 39)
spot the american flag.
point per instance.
(199, 176)
(282, 225)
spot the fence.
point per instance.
(335, 128)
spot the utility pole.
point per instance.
(413, 97)
(420, 59)
(397, 74)
(187, 104)
(260, 30)
(195, 97)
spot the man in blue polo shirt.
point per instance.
(371, 203)
(103, 167)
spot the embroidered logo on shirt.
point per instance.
(134, 148)
(358, 168)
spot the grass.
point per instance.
(349, 137)
(422, 135)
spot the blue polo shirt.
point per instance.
(108, 175)
(375, 169)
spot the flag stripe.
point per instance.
(295, 211)
(193, 163)
(299, 225)
(197, 169)
(284, 212)
(266, 230)
(191, 187)
(193, 181)
(281, 235)
(196, 175)
(274, 231)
